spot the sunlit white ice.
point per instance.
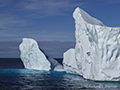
(97, 51)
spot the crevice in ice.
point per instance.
(116, 78)
(70, 69)
(88, 53)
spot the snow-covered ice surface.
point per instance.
(97, 50)
(32, 56)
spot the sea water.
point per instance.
(27, 79)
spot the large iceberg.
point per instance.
(97, 51)
(31, 56)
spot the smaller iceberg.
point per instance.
(34, 58)
(31, 56)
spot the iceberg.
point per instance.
(97, 52)
(69, 62)
(34, 58)
(55, 65)
(31, 56)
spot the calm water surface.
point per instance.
(25, 79)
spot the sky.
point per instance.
(53, 49)
(48, 20)
(51, 20)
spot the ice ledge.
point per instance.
(86, 17)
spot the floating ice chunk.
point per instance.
(31, 55)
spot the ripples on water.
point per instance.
(25, 79)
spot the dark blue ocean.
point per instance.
(13, 76)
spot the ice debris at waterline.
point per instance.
(97, 50)
(33, 58)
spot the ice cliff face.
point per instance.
(69, 62)
(97, 50)
(31, 56)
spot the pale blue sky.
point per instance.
(48, 20)
(51, 20)
(53, 49)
